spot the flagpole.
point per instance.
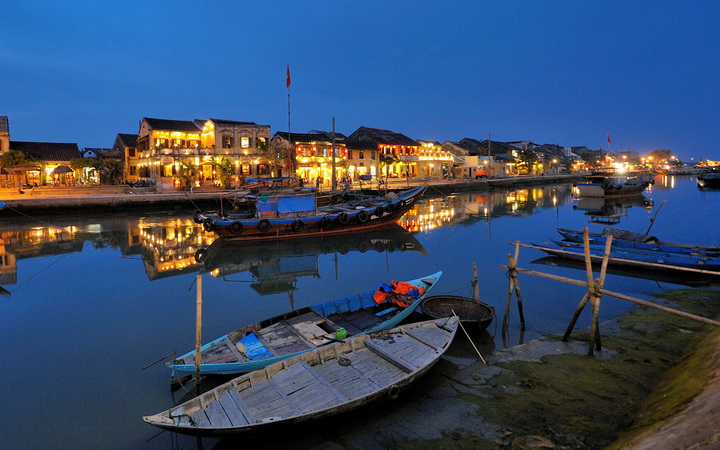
(290, 154)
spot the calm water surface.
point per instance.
(89, 301)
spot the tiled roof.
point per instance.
(47, 151)
(311, 137)
(128, 140)
(172, 125)
(4, 125)
(379, 136)
(231, 122)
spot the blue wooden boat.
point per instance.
(300, 216)
(639, 251)
(255, 346)
(316, 385)
(631, 258)
(623, 238)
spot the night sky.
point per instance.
(556, 72)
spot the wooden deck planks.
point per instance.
(237, 418)
(377, 347)
(282, 339)
(241, 405)
(216, 415)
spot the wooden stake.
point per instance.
(477, 287)
(513, 285)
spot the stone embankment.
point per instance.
(56, 200)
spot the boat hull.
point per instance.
(329, 381)
(328, 221)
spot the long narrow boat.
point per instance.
(612, 185)
(258, 345)
(631, 258)
(624, 238)
(641, 252)
(319, 384)
(300, 216)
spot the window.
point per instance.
(131, 152)
(227, 142)
(261, 143)
(372, 154)
(245, 142)
(133, 170)
(361, 154)
(161, 142)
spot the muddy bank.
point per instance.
(547, 393)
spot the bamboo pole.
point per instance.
(477, 287)
(595, 295)
(469, 339)
(513, 285)
(622, 297)
(198, 327)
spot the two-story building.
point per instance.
(164, 145)
(433, 161)
(398, 154)
(126, 145)
(311, 155)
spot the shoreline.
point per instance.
(49, 200)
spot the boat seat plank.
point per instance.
(234, 350)
(432, 337)
(241, 405)
(323, 381)
(231, 408)
(200, 419)
(282, 339)
(377, 349)
(216, 415)
(284, 396)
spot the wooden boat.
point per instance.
(632, 258)
(300, 216)
(258, 345)
(624, 238)
(315, 385)
(641, 252)
(470, 311)
(613, 185)
(709, 180)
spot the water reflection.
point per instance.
(610, 210)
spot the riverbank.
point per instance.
(46, 200)
(654, 384)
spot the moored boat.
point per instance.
(319, 384)
(625, 238)
(258, 345)
(613, 184)
(300, 216)
(470, 311)
(709, 180)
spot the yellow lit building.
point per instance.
(164, 146)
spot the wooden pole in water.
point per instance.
(475, 280)
(513, 285)
(198, 327)
(596, 295)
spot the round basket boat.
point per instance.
(469, 310)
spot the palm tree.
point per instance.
(111, 170)
(225, 171)
(386, 161)
(187, 173)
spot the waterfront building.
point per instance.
(310, 155)
(474, 158)
(49, 156)
(200, 148)
(397, 153)
(126, 146)
(433, 161)
(4, 135)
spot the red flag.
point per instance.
(287, 77)
(608, 131)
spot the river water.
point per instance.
(89, 301)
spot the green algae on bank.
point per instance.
(576, 401)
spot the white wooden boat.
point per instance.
(324, 382)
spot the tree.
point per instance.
(14, 158)
(527, 160)
(386, 161)
(187, 174)
(225, 171)
(78, 165)
(111, 171)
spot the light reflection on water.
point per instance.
(87, 302)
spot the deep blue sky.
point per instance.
(560, 72)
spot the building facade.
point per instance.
(167, 146)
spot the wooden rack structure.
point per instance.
(593, 294)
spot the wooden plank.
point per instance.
(389, 356)
(200, 419)
(424, 335)
(241, 406)
(216, 415)
(234, 350)
(234, 413)
(284, 396)
(323, 381)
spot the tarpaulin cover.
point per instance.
(254, 349)
(296, 204)
(267, 206)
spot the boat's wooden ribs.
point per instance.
(378, 350)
